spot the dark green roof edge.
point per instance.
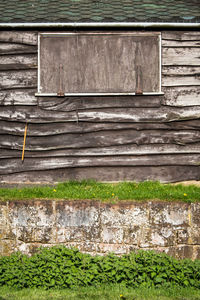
(99, 11)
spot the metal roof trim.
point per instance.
(102, 24)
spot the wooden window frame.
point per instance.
(159, 92)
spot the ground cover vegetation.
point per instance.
(107, 292)
(60, 267)
(90, 189)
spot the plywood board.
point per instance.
(99, 63)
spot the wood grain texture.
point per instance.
(18, 79)
(125, 150)
(105, 138)
(19, 37)
(180, 56)
(140, 115)
(101, 139)
(181, 44)
(180, 80)
(18, 62)
(50, 129)
(79, 103)
(97, 63)
(175, 96)
(34, 114)
(181, 70)
(10, 48)
(181, 96)
(181, 35)
(9, 166)
(18, 97)
(161, 173)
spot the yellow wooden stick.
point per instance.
(25, 131)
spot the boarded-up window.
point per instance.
(99, 63)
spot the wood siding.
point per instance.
(102, 137)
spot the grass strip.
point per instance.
(115, 292)
(107, 192)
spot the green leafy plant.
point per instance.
(61, 267)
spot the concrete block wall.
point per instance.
(99, 228)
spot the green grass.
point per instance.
(89, 189)
(102, 293)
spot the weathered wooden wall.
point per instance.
(106, 138)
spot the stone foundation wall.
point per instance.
(99, 228)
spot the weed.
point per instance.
(90, 189)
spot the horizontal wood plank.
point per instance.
(181, 96)
(18, 79)
(49, 129)
(18, 62)
(79, 103)
(9, 166)
(12, 67)
(101, 139)
(181, 70)
(180, 43)
(34, 114)
(9, 48)
(140, 115)
(19, 37)
(180, 56)
(180, 80)
(18, 97)
(175, 96)
(181, 35)
(125, 150)
(161, 173)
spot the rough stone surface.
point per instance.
(99, 228)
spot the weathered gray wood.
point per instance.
(101, 139)
(49, 129)
(180, 70)
(107, 138)
(9, 166)
(18, 79)
(18, 97)
(19, 37)
(180, 80)
(99, 63)
(36, 115)
(140, 115)
(18, 62)
(77, 103)
(181, 96)
(180, 56)
(176, 44)
(11, 67)
(181, 35)
(9, 48)
(163, 174)
(125, 150)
